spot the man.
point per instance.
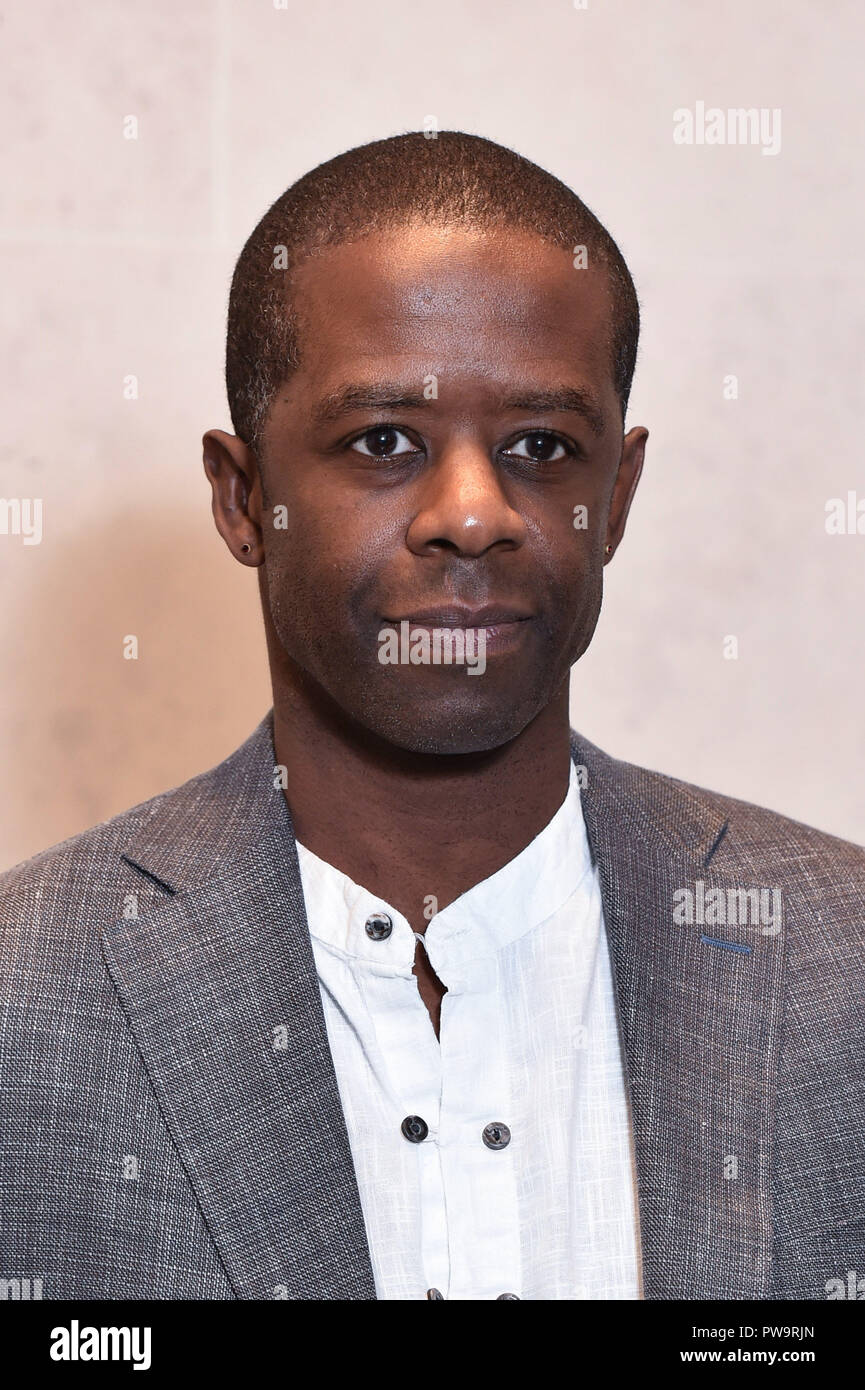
(419, 994)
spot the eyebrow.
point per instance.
(348, 398)
(568, 399)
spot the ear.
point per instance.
(232, 468)
(630, 468)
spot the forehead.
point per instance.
(454, 301)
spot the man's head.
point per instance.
(428, 375)
(455, 180)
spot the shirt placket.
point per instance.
(477, 1139)
(411, 1057)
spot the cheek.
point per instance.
(570, 559)
(318, 569)
(327, 519)
(564, 549)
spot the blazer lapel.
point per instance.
(220, 988)
(700, 1026)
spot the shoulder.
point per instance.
(53, 905)
(761, 836)
(754, 834)
(130, 862)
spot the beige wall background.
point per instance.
(117, 258)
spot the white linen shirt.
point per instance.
(528, 1040)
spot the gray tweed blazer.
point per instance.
(170, 1123)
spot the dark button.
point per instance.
(497, 1136)
(434, 1293)
(415, 1129)
(508, 1295)
(378, 926)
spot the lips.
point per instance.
(457, 615)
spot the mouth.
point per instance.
(503, 626)
(490, 616)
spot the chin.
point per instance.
(445, 729)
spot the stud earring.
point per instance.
(246, 547)
(608, 550)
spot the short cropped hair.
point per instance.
(454, 179)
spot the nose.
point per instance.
(463, 507)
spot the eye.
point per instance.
(541, 446)
(384, 442)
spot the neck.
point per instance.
(411, 827)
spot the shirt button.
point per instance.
(378, 926)
(434, 1293)
(507, 1295)
(497, 1136)
(415, 1129)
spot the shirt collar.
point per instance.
(523, 894)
